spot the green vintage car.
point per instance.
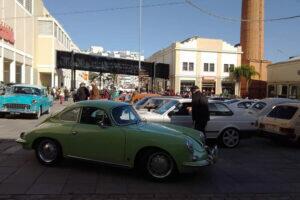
(113, 133)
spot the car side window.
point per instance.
(70, 115)
(183, 109)
(241, 105)
(219, 109)
(95, 116)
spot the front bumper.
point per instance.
(16, 111)
(23, 142)
(212, 156)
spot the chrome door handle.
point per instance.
(74, 132)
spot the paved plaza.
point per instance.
(257, 169)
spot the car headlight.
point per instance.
(190, 146)
(34, 101)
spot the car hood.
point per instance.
(18, 98)
(170, 129)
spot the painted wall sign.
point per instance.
(7, 33)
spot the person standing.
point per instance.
(61, 95)
(94, 94)
(200, 110)
(82, 93)
(67, 94)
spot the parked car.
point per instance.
(25, 99)
(283, 121)
(140, 96)
(241, 104)
(151, 103)
(225, 124)
(113, 133)
(263, 107)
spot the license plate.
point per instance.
(14, 113)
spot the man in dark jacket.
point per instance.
(200, 111)
(82, 93)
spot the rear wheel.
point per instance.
(158, 165)
(48, 152)
(230, 138)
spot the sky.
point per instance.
(119, 29)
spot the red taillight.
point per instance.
(261, 125)
(287, 130)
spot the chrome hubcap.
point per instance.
(47, 151)
(160, 165)
(231, 138)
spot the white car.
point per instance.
(263, 107)
(283, 121)
(240, 105)
(225, 124)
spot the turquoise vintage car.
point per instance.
(25, 99)
(113, 133)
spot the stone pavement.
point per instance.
(257, 169)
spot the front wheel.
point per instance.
(158, 165)
(230, 138)
(48, 152)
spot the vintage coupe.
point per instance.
(112, 133)
(25, 99)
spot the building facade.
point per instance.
(30, 37)
(199, 61)
(284, 79)
(16, 41)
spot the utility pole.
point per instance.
(140, 44)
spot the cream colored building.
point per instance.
(284, 79)
(17, 50)
(31, 58)
(202, 62)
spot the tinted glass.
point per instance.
(164, 108)
(26, 90)
(259, 105)
(219, 109)
(91, 115)
(283, 112)
(142, 101)
(70, 115)
(125, 115)
(183, 109)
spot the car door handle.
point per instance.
(74, 132)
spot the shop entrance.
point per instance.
(6, 71)
(185, 86)
(209, 87)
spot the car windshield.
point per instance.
(164, 108)
(125, 115)
(258, 106)
(142, 101)
(24, 90)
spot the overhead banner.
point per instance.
(94, 63)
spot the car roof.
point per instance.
(105, 104)
(28, 85)
(295, 104)
(276, 100)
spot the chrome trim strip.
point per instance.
(99, 161)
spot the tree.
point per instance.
(243, 72)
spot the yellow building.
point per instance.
(202, 62)
(284, 79)
(30, 37)
(17, 41)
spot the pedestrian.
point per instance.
(82, 93)
(200, 110)
(66, 93)
(134, 94)
(61, 95)
(94, 94)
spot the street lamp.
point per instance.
(140, 42)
